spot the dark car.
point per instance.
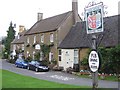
(21, 63)
(37, 66)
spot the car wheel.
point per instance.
(36, 69)
(28, 68)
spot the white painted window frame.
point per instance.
(51, 37)
(60, 55)
(76, 56)
(23, 47)
(34, 39)
(42, 38)
(28, 40)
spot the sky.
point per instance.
(24, 12)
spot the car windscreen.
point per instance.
(20, 60)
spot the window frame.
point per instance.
(34, 40)
(42, 38)
(51, 56)
(23, 47)
(51, 37)
(59, 55)
(28, 40)
(76, 56)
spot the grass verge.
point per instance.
(0, 79)
(0, 55)
(13, 80)
(108, 78)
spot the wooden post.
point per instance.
(94, 74)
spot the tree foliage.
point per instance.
(37, 56)
(84, 62)
(115, 59)
(45, 49)
(110, 59)
(10, 37)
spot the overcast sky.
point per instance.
(24, 12)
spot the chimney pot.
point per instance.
(74, 0)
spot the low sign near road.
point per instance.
(93, 61)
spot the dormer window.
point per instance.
(51, 37)
(42, 38)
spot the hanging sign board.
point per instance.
(37, 47)
(94, 18)
(93, 61)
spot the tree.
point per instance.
(10, 37)
(115, 59)
(84, 62)
(110, 59)
(45, 49)
(104, 59)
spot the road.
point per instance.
(57, 76)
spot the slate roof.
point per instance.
(78, 37)
(20, 40)
(48, 24)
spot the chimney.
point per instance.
(21, 28)
(39, 16)
(75, 11)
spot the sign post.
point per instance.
(94, 24)
(94, 63)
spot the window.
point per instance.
(27, 39)
(33, 62)
(27, 53)
(50, 56)
(34, 39)
(59, 52)
(14, 47)
(75, 56)
(59, 55)
(33, 55)
(18, 36)
(18, 47)
(41, 56)
(42, 38)
(51, 37)
(22, 46)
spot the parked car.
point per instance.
(37, 66)
(21, 63)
